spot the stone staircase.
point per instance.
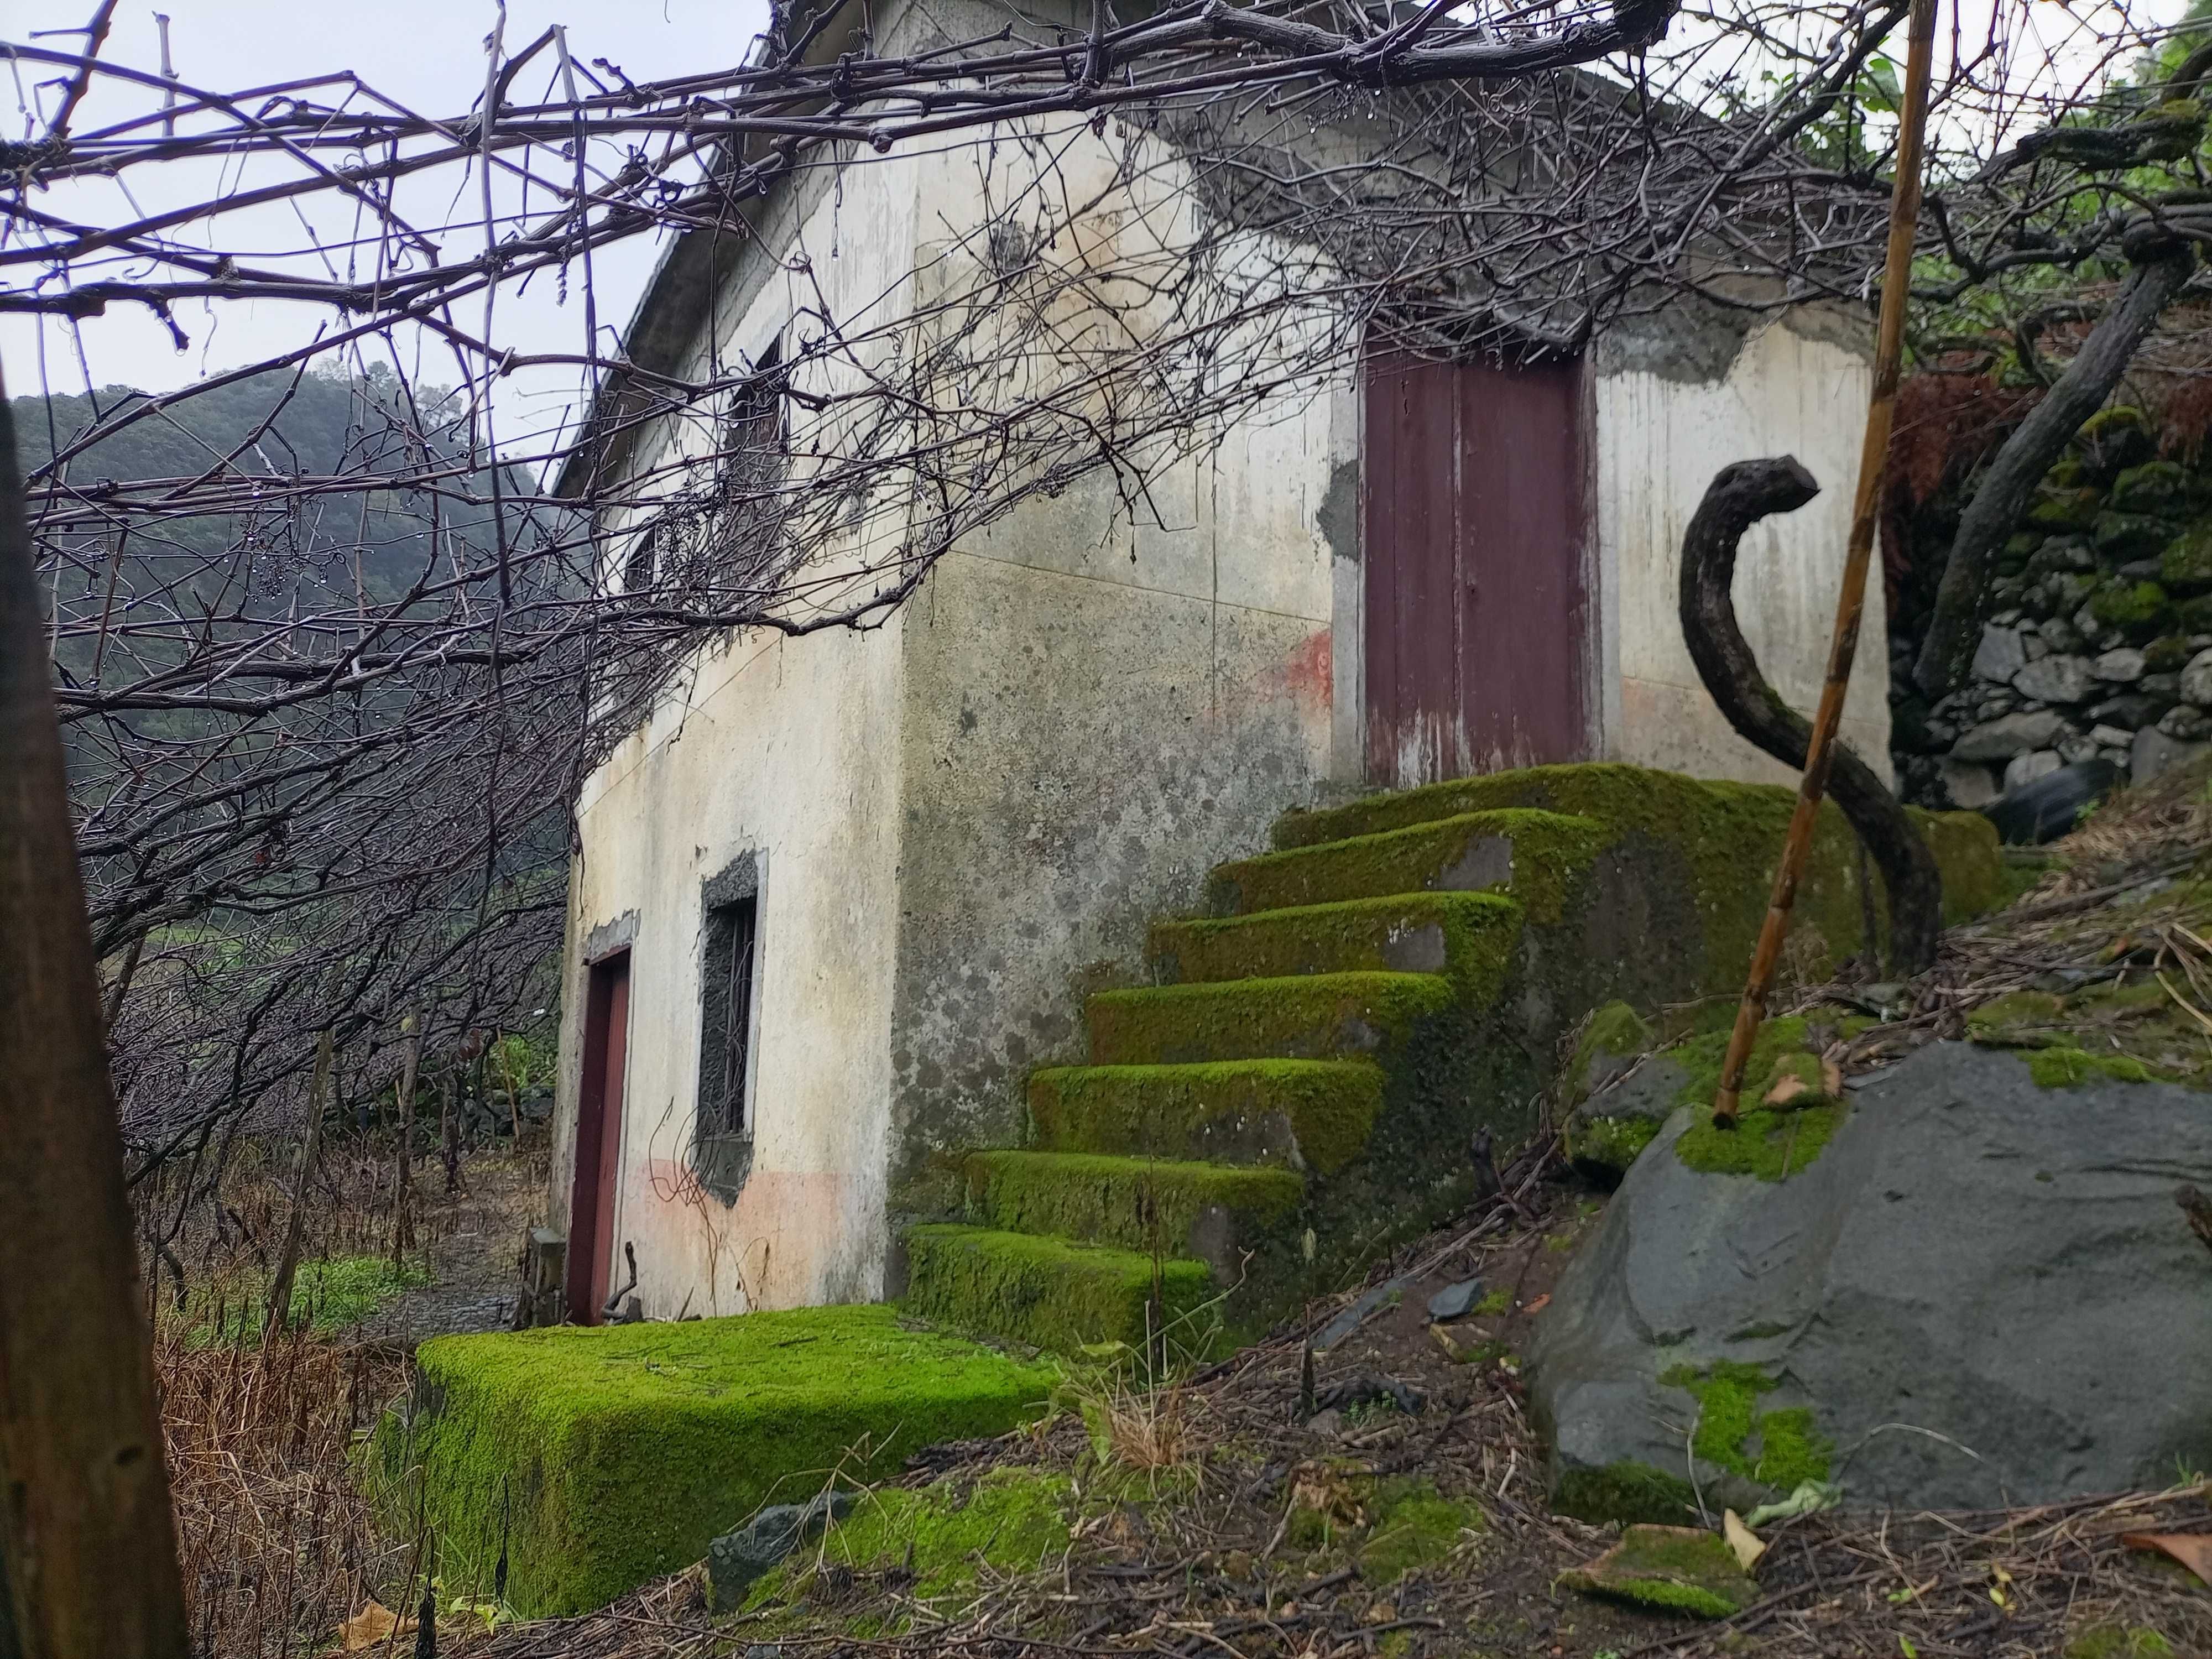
(1298, 1090)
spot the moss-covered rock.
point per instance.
(2113, 439)
(593, 1459)
(2185, 566)
(1615, 1032)
(1055, 1294)
(2139, 610)
(2152, 487)
(2056, 510)
(1302, 1114)
(2063, 1067)
(1627, 1492)
(1780, 1450)
(1672, 1570)
(1012, 1520)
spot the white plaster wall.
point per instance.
(1659, 441)
(787, 749)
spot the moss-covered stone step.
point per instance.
(1300, 1113)
(1054, 1293)
(1468, 936)
(1306, 1017)
(593, 1459)
(1533, 855)
(1212, 1213)
(1725, 828)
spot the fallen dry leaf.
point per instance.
(374, 1623)
(1539, 1304)
(1787, 1088)
(1832, 1078)
(1741, 1539)
(2193, 1549)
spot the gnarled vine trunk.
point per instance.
(1740, 495)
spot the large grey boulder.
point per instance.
(2153, 752)
(2197, 680)
(1980, 1292)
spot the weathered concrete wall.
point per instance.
(1672, 408)
(1095, 713)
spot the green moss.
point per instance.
(2119, 1642)
(2064, 1068)
(2185, 566)
(2064, 509)
(1608, 1143)
(1317, 1113)
(1494, 1303)
(1627, 1492)
(1054, 1294)
(2138, 610)
(2153, 487)
(597, 1459)
(1615, 1030)
(1304, 1016)
(329, 1295)
(1414, 1526)
(2023, 1019)
(1790, 1449)
(1674, 1569)
(1470, 937)
(1012, 1520)
(1533, 854)
(1726, 836)
(1134, 1202)
(1772, 1145)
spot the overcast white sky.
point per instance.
(430, 53)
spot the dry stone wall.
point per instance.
(2098, 638)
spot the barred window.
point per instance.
(727, 1006)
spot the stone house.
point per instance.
(837, 895)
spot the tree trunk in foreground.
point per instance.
(87, 1547)
(1739, 496)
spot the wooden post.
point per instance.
(87, 1549)
(1850, 603)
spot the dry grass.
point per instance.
(275, 1542)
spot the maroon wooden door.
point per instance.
(599, 1139)
(1477, 647)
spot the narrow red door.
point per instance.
(599, 1139)
(1478, 649)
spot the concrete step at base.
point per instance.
(1052, 1293)
(1209, 1211)
(1531, 856)
(1311, 1115)
(1308, 1017)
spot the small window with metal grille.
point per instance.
(726, 1032)
(639, 568)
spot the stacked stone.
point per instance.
(2098, 641)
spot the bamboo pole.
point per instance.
(1850, 603)
(88, 1550)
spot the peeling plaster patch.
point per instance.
(609, 937)
(1338, 514)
